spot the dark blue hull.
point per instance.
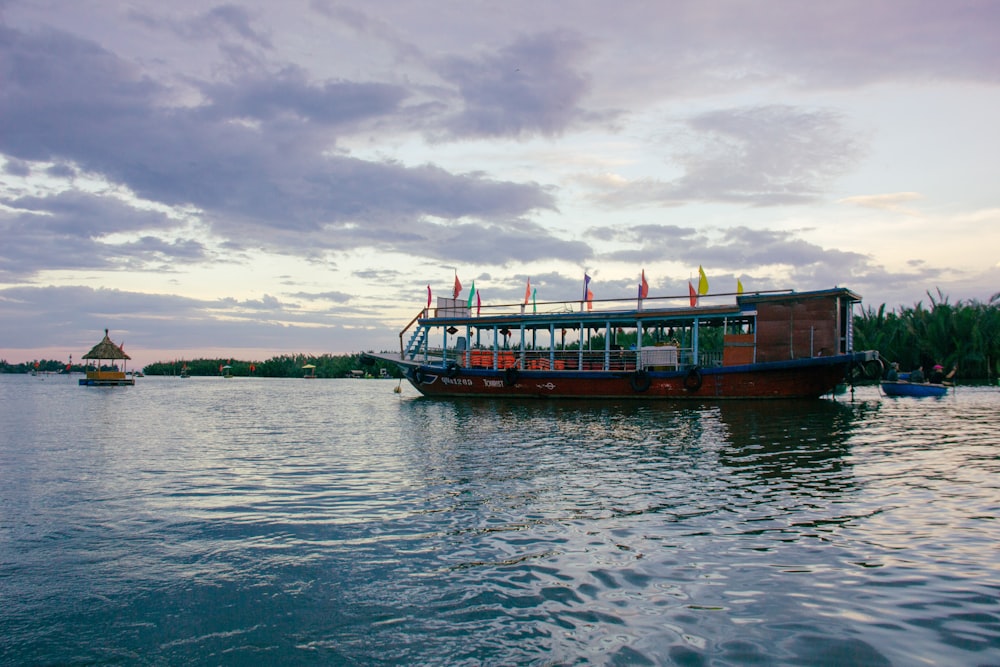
(907, 389)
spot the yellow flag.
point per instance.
(702, 281)
(739, 286)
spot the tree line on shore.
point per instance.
(282, 366)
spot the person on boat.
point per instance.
(937, 374)
(917, 375)
(892, 375)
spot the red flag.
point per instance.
(527, 292)
(693, 294)
(479, 304)
(645, 286)
(428, 296)
(458, 287)
(590, 300)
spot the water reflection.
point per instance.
(802, 446)
(641, 529)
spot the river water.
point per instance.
(253, 521)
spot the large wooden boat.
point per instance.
(763, 345)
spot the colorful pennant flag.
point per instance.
(479, 304)
(693, 294)
(534, 303)
(643, 286)
(472, 294)
(590, 300)
(739, 286)
(586, 284)
(458, 287)
(428, 296)
(702, 281)
(527, 292)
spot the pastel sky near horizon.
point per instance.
(249, 179)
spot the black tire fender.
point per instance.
(693, 380)
(419, 377)
(511, 376)
(640, 381)
(452, 369)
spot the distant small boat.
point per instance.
(913, 389)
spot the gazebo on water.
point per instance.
(106, 350)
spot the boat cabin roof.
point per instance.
(745, 307)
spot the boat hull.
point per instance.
(805, 378)
(908, 389)
(106, 382)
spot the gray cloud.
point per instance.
(530, 87)
(77, 103)
(289, 95)
(223, 22)
(71, 230)
(337, 297)
(740, 249)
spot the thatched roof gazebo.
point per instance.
(106, 350)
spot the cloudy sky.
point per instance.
(249, 179)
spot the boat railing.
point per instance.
(565, 360)
(539, 359)
(709, 359)
(656, 359)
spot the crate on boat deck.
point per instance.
(658, 358)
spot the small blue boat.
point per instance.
(913, 389)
